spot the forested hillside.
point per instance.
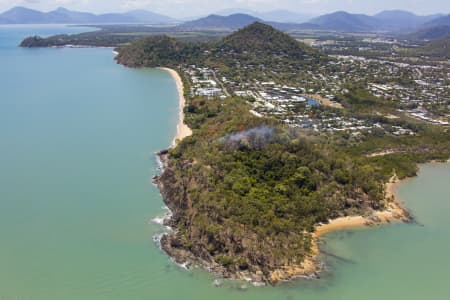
(247, 192)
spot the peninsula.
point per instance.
(281, 143)
(249, 191)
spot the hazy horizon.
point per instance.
(195, 8)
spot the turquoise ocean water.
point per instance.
(78, 135)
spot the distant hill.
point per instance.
(400, 20)
(238, 21)
(431, 33)
(391, 20)
(19, 15)
(22, 15)
(344, 21)
(293, 26)
(255, 43)
(284, 16)
(233, 22)
(444, 20)
(62, 15)
(144, 16)
(235, 11)
(259, 38)
(280, 16)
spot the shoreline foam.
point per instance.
(183, 130)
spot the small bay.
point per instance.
(78, 135)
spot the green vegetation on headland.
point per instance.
(159, 51)
(246, 192)
(82, 39)
(247, 189)
(118, 35)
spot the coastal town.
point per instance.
(311, 101)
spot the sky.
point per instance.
(187, 8)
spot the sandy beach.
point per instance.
(312, 264)
(182, 129)
(393, 213)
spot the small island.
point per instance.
(273, 162)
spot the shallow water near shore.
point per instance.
(78, 135)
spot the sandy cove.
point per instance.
(393, 212)
(183, 130)
(312, 265)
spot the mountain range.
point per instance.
(431, 33)
(237, 21)
(442, 21)
(281, 16)
(234, 21)
(23, 15)
(419, 27)
(403, 20)
(393, 20)
(387, 21)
